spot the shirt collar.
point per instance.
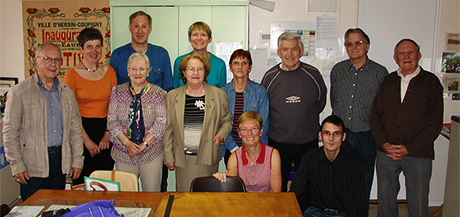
(260, 159)
(364, 66)
(54, 87)
(408, 77)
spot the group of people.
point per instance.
(146, 119)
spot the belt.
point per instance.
(54, 149)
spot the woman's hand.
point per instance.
(92, 147)
(218, 139)
(105, 141)
(133, 148)
(171, 166)
(221, 176)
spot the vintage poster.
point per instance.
(60, 22)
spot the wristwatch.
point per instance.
(146, 144)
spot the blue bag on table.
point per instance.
(95, 208)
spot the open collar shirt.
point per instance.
(353, 92)
(53, 113)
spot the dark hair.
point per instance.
(240, 53)
(357, 30)
(140, 13)
(183, 65)
(332, 119)
(88, 34)
(409, 40)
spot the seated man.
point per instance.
(330, 180)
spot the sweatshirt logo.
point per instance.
(293, 99)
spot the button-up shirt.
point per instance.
(353, 92)
(335, 185)
(53, 113)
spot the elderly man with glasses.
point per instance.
(42, 127)
(354, 85)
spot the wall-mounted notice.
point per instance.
(306, 30)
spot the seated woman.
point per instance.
(258, 165)
(137, 121)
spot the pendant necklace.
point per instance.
(89, 70)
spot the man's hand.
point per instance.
(74, 173)
(395, 152)
(21, 177)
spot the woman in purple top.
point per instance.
(258, 165)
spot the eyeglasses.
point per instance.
(335, 134)
(57, 60)
(356, 43)
(140, 69)
(243, 64)
(192, 70)
(246, 130)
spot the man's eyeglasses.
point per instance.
(57, 60)
(356, 43)
(246, 130)
(335, 134)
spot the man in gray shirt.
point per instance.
(354, 85)
(297, 95)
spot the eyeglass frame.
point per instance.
(356, 43)
(138, 70)
(336, 134)
(50, 59)
(243, 64)
(246, 131)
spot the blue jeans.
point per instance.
(55, 179)
(362, 146)
(316, 212)
(417, 172)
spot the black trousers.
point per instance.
(95, 128)
(290, 153)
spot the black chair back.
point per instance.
(211, 184)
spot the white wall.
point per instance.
(11, 40)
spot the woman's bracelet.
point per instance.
(124, 143)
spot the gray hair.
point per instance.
(408, 40)
(290, 36)
(41, 46)
(139, 56)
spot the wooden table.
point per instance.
(228, 204)
(70, 197)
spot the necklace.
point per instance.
(89, 70)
